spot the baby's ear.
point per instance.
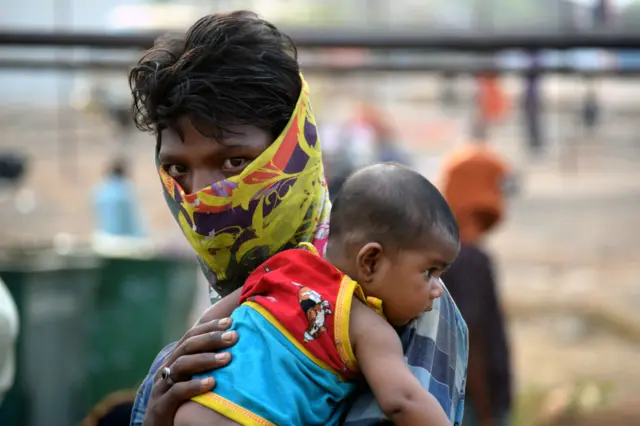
(368, 263)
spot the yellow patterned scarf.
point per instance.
(278, 201)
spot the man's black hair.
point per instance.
(228, 69)
(393, 205)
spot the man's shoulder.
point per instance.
(446, 310)
(443, 329)
(142, 398)
(452, 314)
(436, 346)
(444, 318)
(155, 366)
(161, 357)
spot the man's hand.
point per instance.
(194, 354)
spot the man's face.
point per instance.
(196, 161)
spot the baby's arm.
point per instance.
(223, 308)
(378, 350)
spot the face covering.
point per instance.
(278, 201)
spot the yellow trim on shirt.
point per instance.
(376, 305)
(341, 322)
(310, 247)
(231, 410)
(349, 288)
(267, 315)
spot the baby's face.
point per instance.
(410, 285)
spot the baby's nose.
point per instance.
(436, 289)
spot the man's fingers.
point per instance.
(208, 327)
(184, 391)
(188, 365)
(213, 328)
(209, 342)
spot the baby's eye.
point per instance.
(431, 273)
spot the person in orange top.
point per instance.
(491, 98)
(475, 183)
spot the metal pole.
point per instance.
(366, 38)
(315, 67)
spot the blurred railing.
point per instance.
(69, 141)
(369, 39)
(376, 50)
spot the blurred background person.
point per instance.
(473, 182)
(532, 108)
(449, 96)
(120, 226)
(492, 101)
(590, 112)
(354, 144)
(12, 171)
(114, 410)
(388, 146)
(367, 137)
(9, 324)
(362, 133)
(338, 155)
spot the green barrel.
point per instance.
(55, 298)
(140, 306)
(89, 327)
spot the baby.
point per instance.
(311, 328)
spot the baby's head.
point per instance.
(393, 232)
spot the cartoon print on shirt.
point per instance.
(316, 311)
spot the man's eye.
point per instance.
(175, 169)
(234, 163)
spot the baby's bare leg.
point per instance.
(194, 414)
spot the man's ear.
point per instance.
(368, 262)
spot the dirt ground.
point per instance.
(554, 355)
(568, 255)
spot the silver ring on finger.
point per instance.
(166, 375)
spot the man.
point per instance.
(8, 339)
(217, 98)
(474, 183)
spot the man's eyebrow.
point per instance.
(228, 143)
(168, 156)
